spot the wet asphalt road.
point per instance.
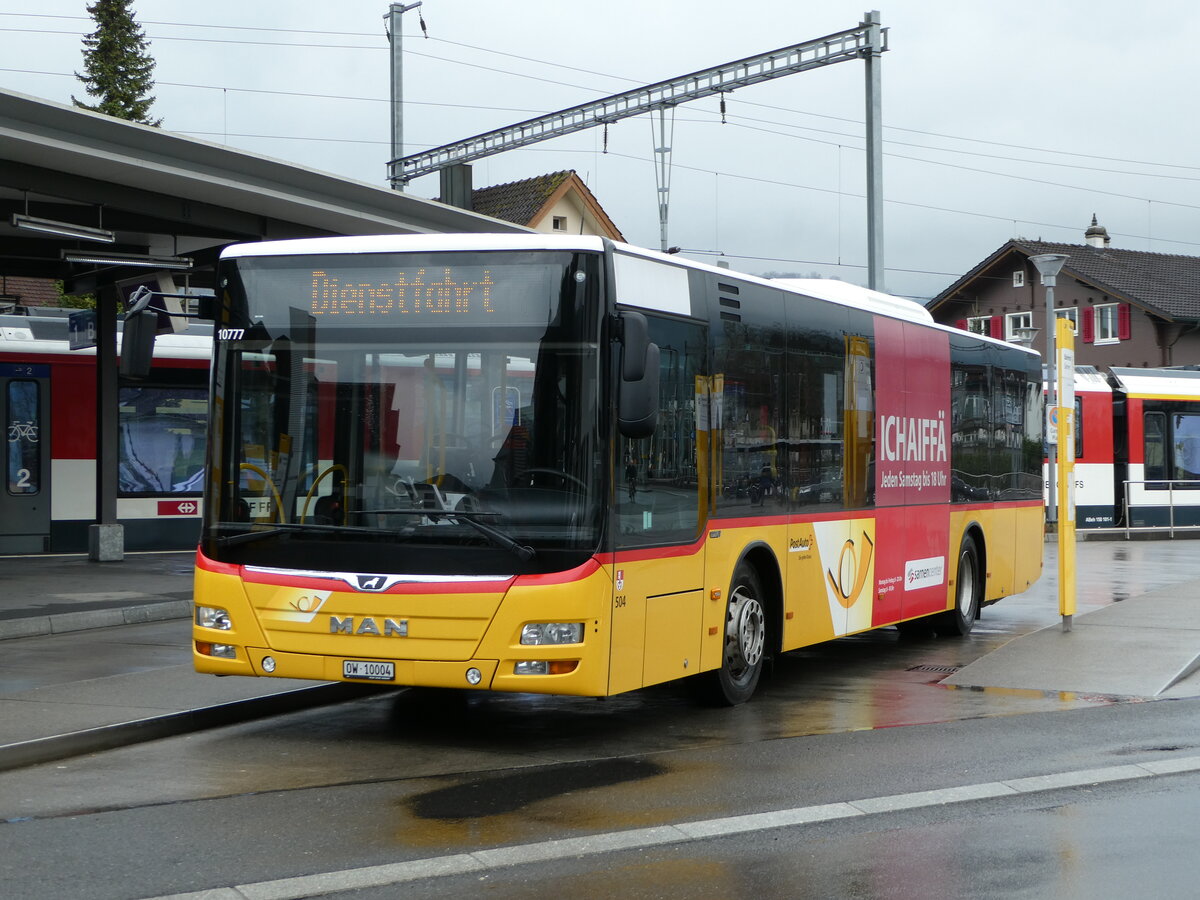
(1115, 842)
(412, 775)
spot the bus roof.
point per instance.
(841, 292)
(415, 243)
(848, 294)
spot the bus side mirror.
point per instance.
(207, 309)
(637, 402)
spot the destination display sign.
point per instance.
(391, 290)
(438, 293)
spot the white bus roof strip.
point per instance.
(415, 243)
(840, 292)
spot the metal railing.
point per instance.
(1171, 484)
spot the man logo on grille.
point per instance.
(370, 582)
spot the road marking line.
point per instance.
(685, 832)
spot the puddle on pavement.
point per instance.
(1066, 697)
(502, 794)
(571, 798)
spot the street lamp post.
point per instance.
(1048, 266)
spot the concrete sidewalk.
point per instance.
(70, 684)
(1146, 646)
(55, 594)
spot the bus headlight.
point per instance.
(552, 633)
(213, 617)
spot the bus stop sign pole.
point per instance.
(1065, 340)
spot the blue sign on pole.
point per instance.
(506, 408)
(81, 326)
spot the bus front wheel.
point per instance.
(745, 641)
(968, 593)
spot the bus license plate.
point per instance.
(370, 671)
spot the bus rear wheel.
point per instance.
(968, 593)
(745, 642)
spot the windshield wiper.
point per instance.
(277, 528)
(523, 551)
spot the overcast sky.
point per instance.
(1000, 119)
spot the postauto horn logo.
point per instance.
(853, 567)
(847, 558)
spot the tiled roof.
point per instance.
(1163, 283)
(517, 201)
(1166, 282)
(31, 291)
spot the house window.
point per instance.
(560, 223)
(979, 324)
(1072, 314)
(1019, 278)
(1107, 323)
(1015, 323)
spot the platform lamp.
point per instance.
(1048, 266)
(1024, 337)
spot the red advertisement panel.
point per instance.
(912, 419)
(912, 469)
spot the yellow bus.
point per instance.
(559, 464)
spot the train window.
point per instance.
(24, 450)
(162, 439)
(1155, 448)
(1186, 444)
(1077, 424)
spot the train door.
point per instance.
(25, 499)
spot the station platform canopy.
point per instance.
(161, 194)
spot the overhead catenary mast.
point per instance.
(395, 11)
(866, 41)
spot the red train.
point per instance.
(48, 400)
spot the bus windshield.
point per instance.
(429, 414)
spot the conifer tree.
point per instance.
(117, 63)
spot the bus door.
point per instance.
(25, 500)
(658, 602)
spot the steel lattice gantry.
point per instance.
(866, 41)
(854, 43)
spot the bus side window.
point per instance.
(657, 491)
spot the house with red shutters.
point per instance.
(1129, 307)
